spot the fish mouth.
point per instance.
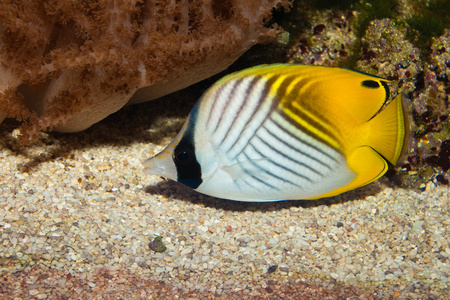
(162, 165)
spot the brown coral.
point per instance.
(66, 64)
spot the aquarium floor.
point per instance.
(77, 215)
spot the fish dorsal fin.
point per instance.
(361, 95)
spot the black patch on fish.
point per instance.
(188, 169)
(388, 92)
(371, 84)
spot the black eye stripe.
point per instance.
(189, 171)
(371, 84)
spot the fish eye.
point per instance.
(183, 155)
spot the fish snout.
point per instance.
(161, 164)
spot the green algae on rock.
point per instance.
(329, 40)
(387, 53)
(430, 111)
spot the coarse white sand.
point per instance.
(81, 201)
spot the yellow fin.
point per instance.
(368, 166)
(361, 94)
(389, 131)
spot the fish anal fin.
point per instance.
(368, 166)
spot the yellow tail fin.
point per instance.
(389, 131)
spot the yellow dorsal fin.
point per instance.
(361, 94)
(388, 131)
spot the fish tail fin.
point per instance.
(390, 130)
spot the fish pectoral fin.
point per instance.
(368, 166)
(246, 168)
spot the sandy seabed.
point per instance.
(77, 215)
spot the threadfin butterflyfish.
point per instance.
(286, 132)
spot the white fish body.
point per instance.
(277, 132)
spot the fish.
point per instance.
(286, 132)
